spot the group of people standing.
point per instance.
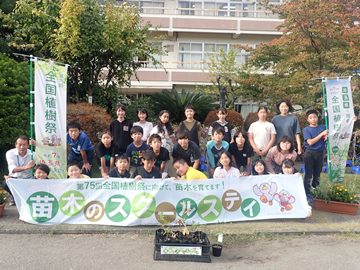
(146, 150)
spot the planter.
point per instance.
(216, 250)
(2, 209)
(336, 207)
(195, 247)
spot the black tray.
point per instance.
(194, 252)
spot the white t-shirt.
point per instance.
(262, 133)
(147, 127)
(166, 140)
(222, 173)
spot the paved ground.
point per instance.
(318, 223)
(133, 251)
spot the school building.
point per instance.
(192, 31)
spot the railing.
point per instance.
(223, 9)
(253, 12)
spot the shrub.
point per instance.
(14, 103)
(176, 102)
(93, 119)
(253, 117)
(234, 118)
(142, 102)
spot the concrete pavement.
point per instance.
(318, 223)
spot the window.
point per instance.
(190, 55)
(145, 62)
(149, 7)
(196, 55)
(190, 7)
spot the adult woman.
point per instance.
(277, 154)
(287, 124)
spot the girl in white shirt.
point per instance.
(165, 131)
(226, 170)
(147, 126)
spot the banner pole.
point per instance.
(31, 107)
(327, 127)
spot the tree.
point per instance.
(32, 25)
(101, 43)
(14, 101)
(321, 38)
(6, 7)
(226, 72)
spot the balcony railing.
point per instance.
(204, 8)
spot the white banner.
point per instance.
(125, 202)
(340, 113)
(50, 117)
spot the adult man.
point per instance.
(19, 161)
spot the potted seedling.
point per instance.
(181, 245)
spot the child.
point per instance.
(165, 130)
(228, 129)
(135, 149)
(277, 154)
(186, 172)
(288, 167)
(120, 129)
(262, 133)
(259, 167)
(106, 151)
(74, 172)
(314, 139)
(142, 116)
(187, 150)
(148, 170)
(191, 126)
(226, 170)
(241, 153)
(82, 150)
(41, 171)
(122, 164)
(161, 153)
(215, 147)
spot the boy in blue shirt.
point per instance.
(82, 150)
(215, 147)
(136, 148)
(314, 142)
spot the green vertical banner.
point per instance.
(50, 117)
(340, 114)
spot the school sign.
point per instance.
(125, 202)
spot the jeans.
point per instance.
(313, 166)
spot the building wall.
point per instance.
(190, 29)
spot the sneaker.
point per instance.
(310, 199)
(12, 202)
